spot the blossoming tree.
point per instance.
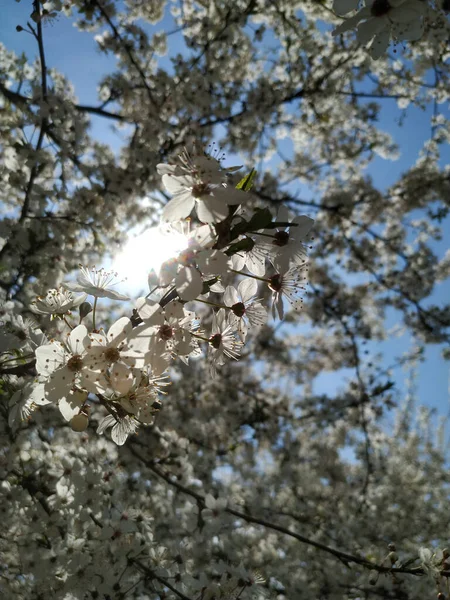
(173, 444)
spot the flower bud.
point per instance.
(79, 422)
(393, 557)
(85, 309)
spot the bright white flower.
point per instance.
(122, 427)
(288, 245)
(18, 333)
(431, 560)
(142, 402)
(63, 367)
(112, 356)
(204, 166)
(382, 19)
(214, 506)
(187, 271)
(24, 401)
(211, 201)
(290, 284)
(56, 302)
(96, 282)
(253, 259)
(223, 342)
(244, 306)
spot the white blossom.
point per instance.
(96, 282)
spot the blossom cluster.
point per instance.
(236, 259)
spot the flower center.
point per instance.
(238, 309)
(112, 355)
(380, 8)
(281, 238)
(166, 332)
(75, 363)
(276, 282)
(215, 340)
(200, 189)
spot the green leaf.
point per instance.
(243, 245)
(246, 183)
(260, 220)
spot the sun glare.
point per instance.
(144, 252)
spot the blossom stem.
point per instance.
(250, 275)
(213, 303)
(93, 313)
(263, 234)
(200, 337)
(3, 362)
(67, 323)
(151, 291)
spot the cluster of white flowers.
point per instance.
(378, 22)
(124, 368)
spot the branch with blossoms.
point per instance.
(125, 368)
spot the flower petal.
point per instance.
(189, 284)
(211, 210)
(178, 208)
(342, 7)
(247, 289)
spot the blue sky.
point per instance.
(75, 54)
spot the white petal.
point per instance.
(238, 261)
(408, 12)
(178, 208)
(71, 404)
(212, 262)
(247, 288)
(165, 169)
(210, 501)
(230, 195)
(189, 284)
(119, 331)
(211, 210)
(342, 7)
(73, 287)
(256, 264)
(367, 30)
(176, 184)
(283, 215)
(106, 422)
(352, 22)
(78, 340)
(121, 378)
(380, 44)
(230, 296)
(303, 227)
(49, 358)
(93, 380)
(139, 340)
(174, 310)
(111, 294)
(120, 432)
(150, 312)
(59, 383)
